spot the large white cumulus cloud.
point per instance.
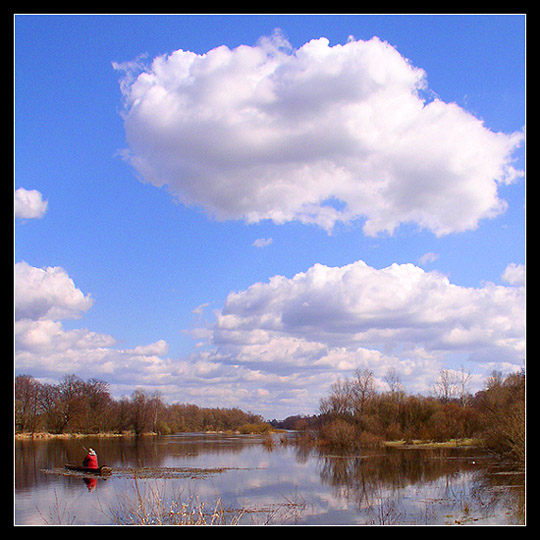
(293, 336)
(355, 315)
(321, 134)
(359, 305)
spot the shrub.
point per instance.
(503, 412)
(394, 432)
(339, 434)
(370, 440)
(255, 429)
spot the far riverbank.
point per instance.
(415, 444)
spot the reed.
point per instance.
(152, 505)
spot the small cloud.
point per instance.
(262, 242)
(428, 258)
(29, 204)
(47, 294)
(199, 309)
(159, 348)
(514, 274)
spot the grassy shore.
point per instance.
(248, 429)
(452, 443)
(46, 435)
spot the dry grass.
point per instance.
(152, 505)
(452, 443)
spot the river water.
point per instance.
(262, 483)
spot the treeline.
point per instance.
(77, 406)
(356, 415)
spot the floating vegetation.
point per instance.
(151, 472)
(169, 472)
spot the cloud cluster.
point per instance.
(337, 319)
(29, 204)
(322, 134)
(46, 297)
(46, 349)
(359, 305)
(280, 344)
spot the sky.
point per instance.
(239, 210)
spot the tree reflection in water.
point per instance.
(388, 486)
(395, 486)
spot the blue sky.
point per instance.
(237, 210)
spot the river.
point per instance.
(258, 483)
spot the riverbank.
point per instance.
(452, 443)
(250, 429)
(46, 435)
(417, 443)
(191, 473)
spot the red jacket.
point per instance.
(90, 461)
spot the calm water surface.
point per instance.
(281, 484)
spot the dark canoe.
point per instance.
(103, 470)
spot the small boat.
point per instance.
(102, 471)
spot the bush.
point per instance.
(370, 440)
(163, 428)
(503, 412)
(495, 415)
(339, 434)
(255, 429)
(394, 432)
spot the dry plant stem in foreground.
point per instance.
(151, 505)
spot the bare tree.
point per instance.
(393, 380)
(98, 405)
(70, 401)
(446, 385)
(157, 408)
(141, 411)
(362, 389)
(48, 397)
(495, 380)
(26, 403)
(464, 378)
(337, 404)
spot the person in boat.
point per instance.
(91, 460)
